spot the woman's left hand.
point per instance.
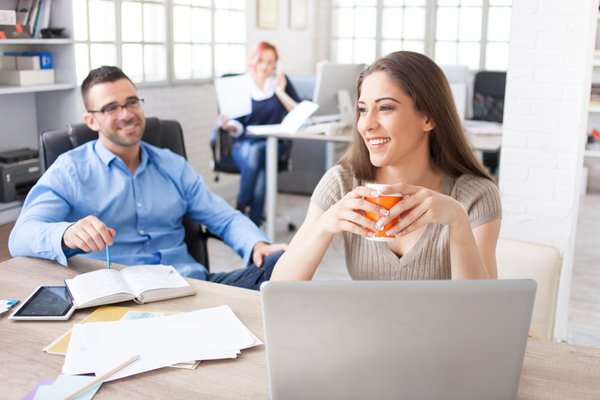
(281, 82)
(419, 207)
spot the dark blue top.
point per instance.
(269, 111)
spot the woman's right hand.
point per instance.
(348, 214)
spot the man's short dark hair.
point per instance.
(102, 74)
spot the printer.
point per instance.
(20, 170)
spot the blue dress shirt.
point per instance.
(145, 208)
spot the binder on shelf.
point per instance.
(43, 18)
(32, 17)
(22, 11)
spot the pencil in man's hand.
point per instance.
(108, 257)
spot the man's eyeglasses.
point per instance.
(113, 110)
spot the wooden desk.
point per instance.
(24, 363)
(550, 371)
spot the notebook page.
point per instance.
(95, 285)
(142, 278)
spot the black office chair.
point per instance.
(161, 133)
(220, 146)
(488, 95)
(488, 105)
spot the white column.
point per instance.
(545, 117)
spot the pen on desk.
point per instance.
(101, 378)
(108, 257)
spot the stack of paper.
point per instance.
(208, 334)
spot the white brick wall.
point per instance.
(547, 98)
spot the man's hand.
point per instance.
(262, 249)
(88, 234)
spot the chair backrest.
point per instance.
(519, 259)
(221, 144)
(161, 133)
(488, 95)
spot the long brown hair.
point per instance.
(425, 83)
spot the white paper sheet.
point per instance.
(208, 334)
(233, 96)
(290, 124)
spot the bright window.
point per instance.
(161, 40)
(468, 32)
(354, 30)
(403, 26)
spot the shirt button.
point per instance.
(139, 205)
(141, 232)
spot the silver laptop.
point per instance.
(396, 339)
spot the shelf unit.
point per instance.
(25, 111)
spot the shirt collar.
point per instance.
(106, 156)
(267, 91)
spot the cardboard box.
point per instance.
(8, 62)
(28, 62)
(44, 59)
(27, 78)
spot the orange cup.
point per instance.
(386, 201)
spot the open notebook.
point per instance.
(290, 124)
(141, 283)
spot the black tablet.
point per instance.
(51, 303)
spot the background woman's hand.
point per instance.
(421, 206)
(348, 214)
(225, 125)
(281, 82)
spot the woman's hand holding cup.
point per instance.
(386, 201)
(348, 214)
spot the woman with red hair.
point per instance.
(273, 96)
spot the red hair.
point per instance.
(261, 47)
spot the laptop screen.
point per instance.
(396, 339)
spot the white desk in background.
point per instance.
(484, 135)
(271, 168)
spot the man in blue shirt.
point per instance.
(123, 192)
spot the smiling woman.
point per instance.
(407, 136)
